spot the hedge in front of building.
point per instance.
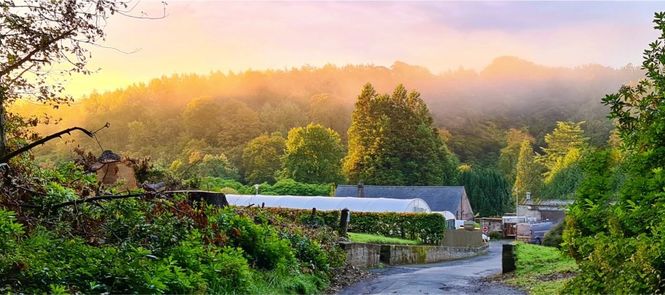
(428, 228)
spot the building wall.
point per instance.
(462, 238)
(117, 172)
(465, 209)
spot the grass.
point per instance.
(377, 239)
(541, 270)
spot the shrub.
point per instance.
(424, 227)
(553, 238)
(260, 242)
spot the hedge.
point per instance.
(428, 228)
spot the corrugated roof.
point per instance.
(439, 198)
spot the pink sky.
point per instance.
(204, 36)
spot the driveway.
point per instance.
(452, 277)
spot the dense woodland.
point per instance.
(512, 128)
(238, 126)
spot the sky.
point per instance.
(205, 36)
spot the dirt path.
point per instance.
(452, 277)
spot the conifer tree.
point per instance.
(527, 173)
(566, 136)
(392, 141)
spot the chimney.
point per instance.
(361, 190)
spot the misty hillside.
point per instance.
(222, 111)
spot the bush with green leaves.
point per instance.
(553, 238)
(616, 227)
(283, 186)
(161, 246)
(428, 228)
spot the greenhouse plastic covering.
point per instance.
(331, 203)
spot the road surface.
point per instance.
(452, 277)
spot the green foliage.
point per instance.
(313, 155)
(488, 191)
(262, 158)
(217, 184)
(567, 136)
(541, 270)
(294, 188)
(392, 141)
(616, 235)
(163, 246)
(564, 178)
(509, 156)
(377, 239)
(261, 243)
(527, 173)
(282, 187)
(478, 142)
(424, 227)
(554, 237)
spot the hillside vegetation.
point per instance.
(223, 111)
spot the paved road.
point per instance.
(452, 277)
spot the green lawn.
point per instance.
(541, 270)
(376, 239)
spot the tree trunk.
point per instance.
(3, 124)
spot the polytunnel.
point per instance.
(331, 203)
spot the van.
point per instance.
(533, 233)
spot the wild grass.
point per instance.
(377, 239)
(541, 270)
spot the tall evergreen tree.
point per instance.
(527, 173)
(392, 141)
(564, 137)
(488, 191)
(510, 153)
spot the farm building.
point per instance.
(439, 198)
(414, 205)
(552, 210)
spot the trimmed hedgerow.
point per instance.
(428, 228)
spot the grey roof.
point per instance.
(439, 198)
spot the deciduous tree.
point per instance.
(41, 39)
(262, 158)
(313, 155)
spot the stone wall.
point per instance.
(409, 254)
(362, 255)
(462, 238)
(370, 255)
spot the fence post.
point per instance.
(343, 222)
(508, 258)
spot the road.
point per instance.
(451, 277)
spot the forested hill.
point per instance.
(220, 112)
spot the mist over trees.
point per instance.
(482, 119)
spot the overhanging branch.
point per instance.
(44, 140)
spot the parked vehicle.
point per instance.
(533, 233)
(510, 224)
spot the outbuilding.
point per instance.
(326, 203)
(439, 198)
